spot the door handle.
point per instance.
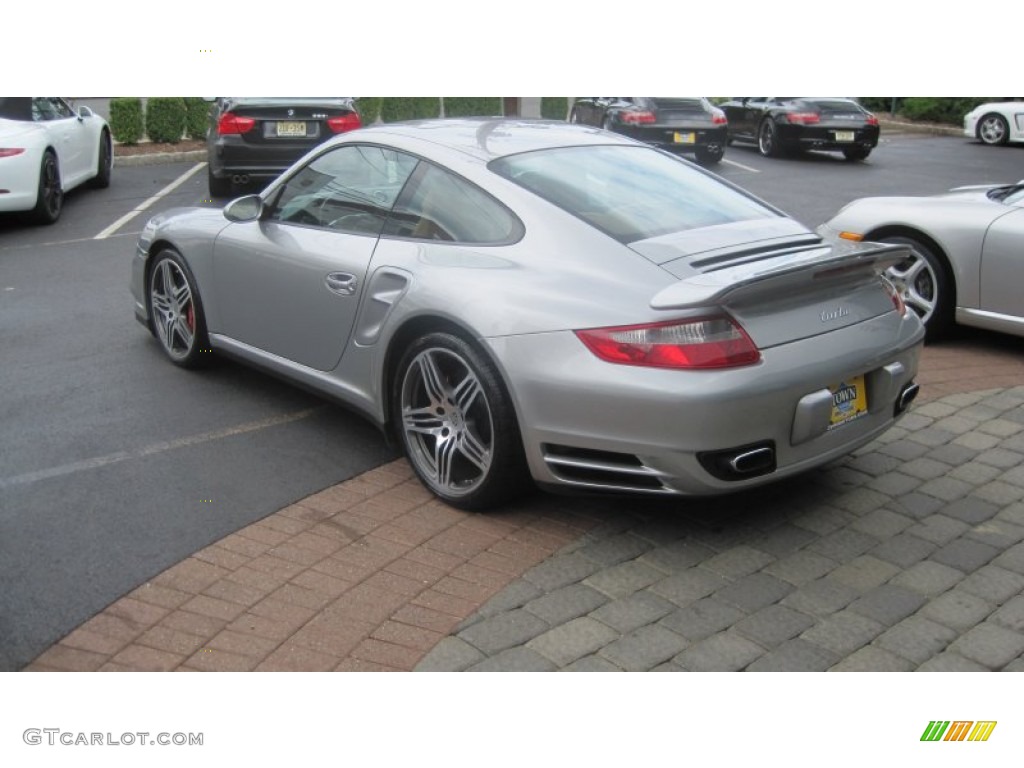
(341, 283)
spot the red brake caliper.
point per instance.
(190, 318)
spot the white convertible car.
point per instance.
(996, 122)
(46, 149)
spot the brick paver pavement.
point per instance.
(908, 555)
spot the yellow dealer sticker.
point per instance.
(849, 401)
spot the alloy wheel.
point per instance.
(174, 315)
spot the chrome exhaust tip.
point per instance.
(906, 397)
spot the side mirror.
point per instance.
(85, 112)
(248, 208)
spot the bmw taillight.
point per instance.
(11, 151)
(700, 343)
(637, 118)
(231, 123)
(803, 118)
(718, 117)
(343, 123)
(871, 119)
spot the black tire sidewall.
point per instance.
(200, 353)
(41, 213)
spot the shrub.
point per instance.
(368, 108)
(197, 117)
(126, 123)
(947, 110)
(409, 108)
(554, 107)
(472, 106)
(165, 119)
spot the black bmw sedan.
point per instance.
(782, 125)
(690, 125)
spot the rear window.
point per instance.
(629, 193)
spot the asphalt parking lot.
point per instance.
(324, 553)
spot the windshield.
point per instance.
(630, 193)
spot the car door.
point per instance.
(289, 284)
(67, 135)
(1002, 264)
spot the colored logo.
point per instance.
(958, 730)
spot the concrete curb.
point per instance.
(931, 129)
(160, 158)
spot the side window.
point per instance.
(349, 189)
(61, 108)
(42, 110)
(438, 205)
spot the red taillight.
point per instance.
(803, 118)
(343, 123)
(706, 342)
(718, 117)
(11, 151)
(872, 120)
(637, 118)
(231, 123)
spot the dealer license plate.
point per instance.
(684, 138)
(849, 401)
(844, 135)
(291, 128)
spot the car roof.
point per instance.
(488, 138)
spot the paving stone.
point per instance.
(592, 663)
(977, 441)
(954, 454)
(515, 595)
(644, 648)
(561, 570)
(904, 450)
(916, 639)
(677, 556)
(754, 592)
(504, 630)
(957, 425)
(928, 578)
(939, 529)
(566, 643)
(688, 586)
(1012, 513)
(625, 578)
(795, 656)
(946, 488)
(1011, 615)
(1017, 665)
(951, 662)
(882, 523)
(515, 660)
(636, 610)
(1013, 476)
(975, 473)
(931, 436)
(965, 554)
(1001, 458)
(996, 533)
(958, 609)
(888, 604)
(724, 652)
(999, 493)
(616, 549)
(970, 510)
(702, 618)
(821, 598)
(993, 584)
(990, 645)
(773, 625)
(801, 567)
(925, 468)
(864, 573)
(916, 505)
(450, 655)
(566, 604)
(875, 464)
(894, 483)
(904, 550)
(860, 501)
(872, 659)
(822, 520)
(843, 545)
(1000, 427)
(935, 409)
(737, 562)
(843, 633)
(1012, 559)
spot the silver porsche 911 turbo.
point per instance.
(528, 299)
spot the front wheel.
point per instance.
(457, 423)
(104, 163)
(993, 130)
(853, 154)
(176, 312)
(924, 283)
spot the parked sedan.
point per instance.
(255, 139)
(783, 125)
(966, 257)
(680, 124)
(996, 123)
(516, 299)
(46, 149)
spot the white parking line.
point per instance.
(143, 206)
(740, 165)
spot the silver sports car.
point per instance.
(967, 252)
(515, 299)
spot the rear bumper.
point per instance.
(230, 156)
(678, 138)
(827, 137)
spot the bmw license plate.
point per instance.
(844, 135)
(291, 128)
(684, 138)
(849, 401)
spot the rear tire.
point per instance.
(710, 154)
(50, 195)
(925, 284)
(853, 154)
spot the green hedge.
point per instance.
(127, 125)
(472, 106)
(928, 109)
(197, 117)
(393, 110)
(368, 108)
(554, 107)
(165, 119)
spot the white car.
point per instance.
(996, 123)
(46, 149)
